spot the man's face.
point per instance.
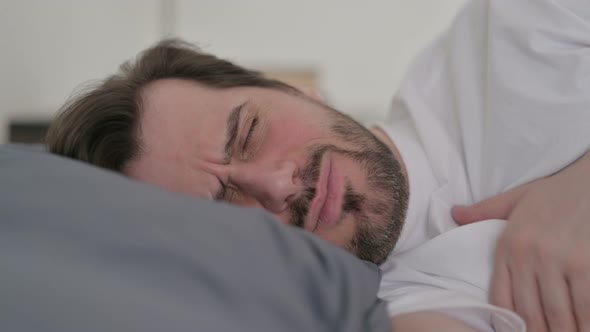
(306, 164)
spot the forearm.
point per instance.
(423, 321)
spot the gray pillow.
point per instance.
(84, 249)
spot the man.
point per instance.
(222, 138)
(475, 118)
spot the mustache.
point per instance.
(300, 206)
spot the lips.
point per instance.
(326, 206)
(332, 209)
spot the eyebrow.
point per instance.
(233, 124)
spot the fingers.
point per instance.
(496, 207)
(540, 291)
(579, 283)
(527, 302)
(500, 288)
(556, 301)
(464, 215)
(515, 248)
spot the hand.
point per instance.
(542, 261)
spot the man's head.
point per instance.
(192, 123)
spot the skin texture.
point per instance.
(423, 321)
(542, 262)
(288, 151)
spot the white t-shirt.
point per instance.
(500, 99)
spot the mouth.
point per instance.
(326, 207)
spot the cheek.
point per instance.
(291, 134)
(340, 235)
(355, 175)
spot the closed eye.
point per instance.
(220, 195)
(250, 132)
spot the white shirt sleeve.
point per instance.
(536, 90)
(449, 274)
(503, 96)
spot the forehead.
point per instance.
(184, 112)
(182, 127)
(176, 113)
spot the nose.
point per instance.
(273, 186)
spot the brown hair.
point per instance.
(99, 126)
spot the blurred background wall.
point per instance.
(355, 52)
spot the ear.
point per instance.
(311, 93)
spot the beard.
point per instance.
(378, 217)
